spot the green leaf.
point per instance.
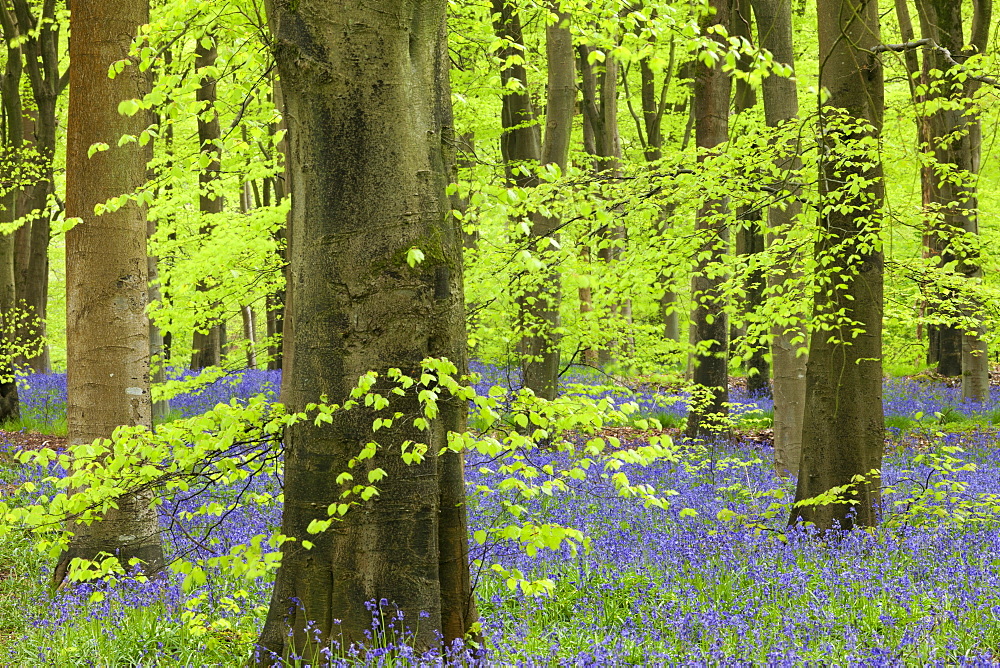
(129, 107)
(414, 256)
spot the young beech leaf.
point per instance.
(414, 256)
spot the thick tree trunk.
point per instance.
(781, 106)
(106, 271)
(368, 140)
(708, 319)
(207, 344)
(843, 437)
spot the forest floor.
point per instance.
(714, 579)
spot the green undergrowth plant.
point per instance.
(233, 442)
(753, 419)
(659, 420)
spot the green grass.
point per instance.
(899, 369)
(36, 424)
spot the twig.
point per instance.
(934, 46)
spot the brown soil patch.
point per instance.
(32, 440)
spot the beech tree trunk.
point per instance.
(13, 139)
(654, 105)
(369, 113)
(41, 57)
(160, 409)
(915, 78)
(749, 231)
(247, 203)
(274, 304)
(843, 437)
(781, 107)
(106, 272)
(540, 307)
(521, 144)
(709, 323)
(600, 112)
(10, 408)
(207, 344)
(959, 348)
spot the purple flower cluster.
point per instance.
(656, 587)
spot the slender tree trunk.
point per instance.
(41, 51)
(843, 436)
(160, 409)
(914, 79)
(274, 304)
(750, 232)
(521, 145)
(600, 111)
(10, 408)
(246, 312)
(106, 271)
(13, 140)
(250, 335)
(654, 104)
(369, 139)
(708, 318)
(954, 133)
(781, 107)
(207, 344)
(540, 306)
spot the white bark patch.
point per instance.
(137, 391)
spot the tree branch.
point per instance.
(929, 43)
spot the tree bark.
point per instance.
(246, 311)
(600, 113)
(274, 303)
(521, 144)
(914, 77)
(368, 107)
(13, 131)
(160, 409)
(106, 271)
(654, 105)
(781, 107)
(41, 57)
(750, 234)
(843, 436)
(208, 342)
(540, 307)
(709, 323)
(952, 208)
